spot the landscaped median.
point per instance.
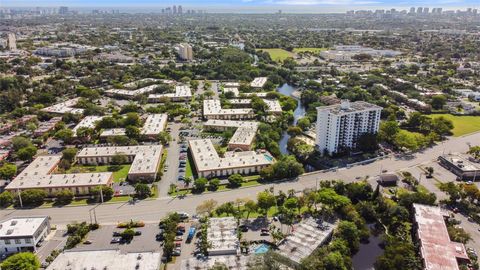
(224, 185)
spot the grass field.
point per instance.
(312, 50)
(462, 124)
(277, 54)
(118, 175)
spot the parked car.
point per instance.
(178, 238)
(183, 215)
(116, 234)
(137, 233)
(88, 242)
(115, 240)
(264, 232)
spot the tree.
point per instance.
(430, 171)
(474, 151)
(291, 203)
(33, 197)
(438, 101)
(6, 199)
(8, 171)
(367, 142)
(294, 131)
(23, 261)
(19, 142)
(142, 190)
(69, 154)
(405, 139)
(235, 180)
(304, 123)
(65, 135)
(119, 159)
(348, 231)
(286, 167)
(132, 119)
(388, 130)
(206, 207)
(398, 255)
(250, 206)
(330, 198)
(265, 200)
(128, 235)
(107, 193)
(132, 132)
(64, 197)
(27, 153)
(452, 189)
(200, 184)
(164, 137)
(213, 184)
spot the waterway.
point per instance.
(299, 112)
(367, 255)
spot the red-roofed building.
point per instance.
(437, 250)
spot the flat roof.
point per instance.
(232, 262)
(437, 251)
(39, 174)
(154, 124)
(222, 235)
(206, 157)
(243, 136)
(214, 107)
(109, 132)
(181, 91)
(146, 158)
(259, 82)
(87, 122)
(132, 93)
(231, 124)
(234, 90)
(245, 130)
(306, 237)
(105, 260)
(65, 107)
(273, 105)
(20, 226)
(347, 107)
(462, 162)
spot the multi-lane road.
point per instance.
(153, 210)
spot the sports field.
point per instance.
(462, 124)
(277, 54)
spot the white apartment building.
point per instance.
(339, 126)
(22, 234)
(185, 51)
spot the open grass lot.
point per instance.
(462, 124)
(277, 54)
(312, 50)
(118, 175)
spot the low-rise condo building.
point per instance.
(22, 234)
(182, 93)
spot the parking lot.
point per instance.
(55, 240)
(100, 239)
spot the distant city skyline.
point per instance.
(300, 6)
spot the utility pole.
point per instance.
(101, 193)
(20, 197)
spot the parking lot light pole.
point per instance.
(20, 197)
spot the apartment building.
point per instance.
(185, 51)
(21, 234)
(145, 159)
(209, 164)
(244, 134)
(182, 93)
(339, 126)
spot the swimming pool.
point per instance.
(263, 248)
(269, 158)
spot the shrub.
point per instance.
(6, 199)
(32, 197)
(64, 196)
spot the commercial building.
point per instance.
(436, 248)
(243, 137)
(345, 53)
(145, 159)
(307, 236)
(222, 234)
(185, 52)
(259, 82)
(63, 50)
(209, 164)
(67, 106)
(12, 42)
(340, 126)
(106, 260)
(462, 166)
(22, 234)
(40, 175)
(182, 93)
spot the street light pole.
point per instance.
(101, 193)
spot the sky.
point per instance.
(314, 6)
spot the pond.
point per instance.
(368, 253)
(299, 112)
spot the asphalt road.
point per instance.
(153, 210)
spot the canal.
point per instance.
(299, 112)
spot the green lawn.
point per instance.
(118, 175)
(312, 50)
(188, 168)
(277, 54)
(462, 124)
